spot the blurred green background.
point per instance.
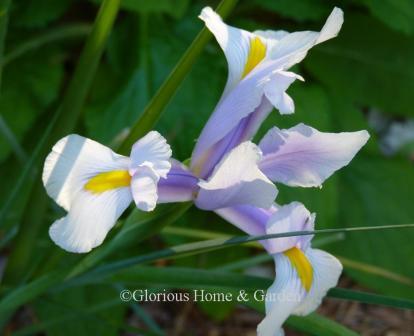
(363, 79)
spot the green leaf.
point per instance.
(107, 120)
(359, 69)
(371, 298)
(29, 87)
(312, 107)
(119, 92)
(139, 226)
(318, 325)
(77, 303)
(181, 277)
(26, 293)
(362, 67)
(64, 121)
(312, 324)
(376, 191)
(38, 13)
(41, 284)
(300, 10)
(218, 311)
(376, 271)
(397, 14)
(36, 42)
(175, 8)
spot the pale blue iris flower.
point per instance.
(234, 174)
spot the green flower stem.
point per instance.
(66, 119)
(156, 106)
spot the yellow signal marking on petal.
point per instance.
(108, 181)
(302, 265)
(257, 53)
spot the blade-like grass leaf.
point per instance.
(65, 120)
(214, 244)
(57, 34)
(41, 285)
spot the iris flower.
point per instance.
(231, 175)
(303, 274)
(258, 78)
(95, 186)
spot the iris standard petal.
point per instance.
(292, 48)
(153, 151)
(204, 159)
(289, 218)
(247, 96)
(90, 218)
(236, 45)
(144, 188)
(275, 91)
(237, 181)
(303, 156)
(72, 162)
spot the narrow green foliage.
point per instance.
(58, 34)
(122, 268)
(189, 278)
(318, 325)
(65, 121)
(209, 245)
